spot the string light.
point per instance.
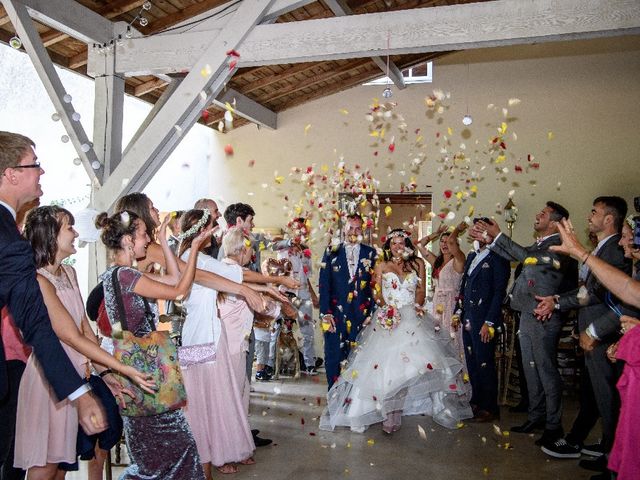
(105, 48)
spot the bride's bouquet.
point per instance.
(388, 317)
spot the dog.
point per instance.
(287, 351)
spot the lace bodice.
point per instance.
(398, 292)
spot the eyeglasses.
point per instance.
(32, 165)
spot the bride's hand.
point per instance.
(419, 310)
(367, 321)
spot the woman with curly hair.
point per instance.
(160, 446)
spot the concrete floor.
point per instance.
(288, 412)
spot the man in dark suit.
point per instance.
(346, 298)
(544, 273)
(19, 184)
(598, 324)
(483, 288)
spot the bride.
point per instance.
(400, 366)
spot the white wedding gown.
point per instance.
(411, 369)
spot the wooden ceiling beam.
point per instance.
(315, 79)
(149, 86)
(277, 77)
(340, 8)
(185, 14)
(56, 58)
(429, 29)
(109, 11)
(351, 82)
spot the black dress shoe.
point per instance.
(261, 442)
(597, 465)
(550, 436)
(255, 432)
(528, 426)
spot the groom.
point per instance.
(346, 298)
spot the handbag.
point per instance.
(154, 354)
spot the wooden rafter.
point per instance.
(341, 8)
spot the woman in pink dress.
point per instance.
(46, 429)
(215, 410)
(235, 313)
(448, 268)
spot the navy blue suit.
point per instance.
(347, 299)
(483, 292)
(19, 290)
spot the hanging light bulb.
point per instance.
(77, 161)
(15, 42)
(96, 165)
(146, 6)
(467, 120)
(144, 22)
(387, 92)
(128, 34)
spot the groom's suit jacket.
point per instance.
(483, 290)
(19, 290)
(544, 273)
(344, 297)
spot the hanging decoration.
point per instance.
(387, 92)
(467, 120)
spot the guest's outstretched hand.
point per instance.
(570, 243)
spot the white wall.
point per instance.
(587, 93)
(25, 108)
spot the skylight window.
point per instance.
(421, 73)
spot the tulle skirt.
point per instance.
(410, 369)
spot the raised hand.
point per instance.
(570, 243)
(442, 228)
(162, 230)
(201, 238)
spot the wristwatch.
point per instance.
(556, 302)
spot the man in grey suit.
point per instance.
(598, 324)
(544, 273)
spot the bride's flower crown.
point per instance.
(399, 233)
(195, 228)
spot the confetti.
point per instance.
(228, 149)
